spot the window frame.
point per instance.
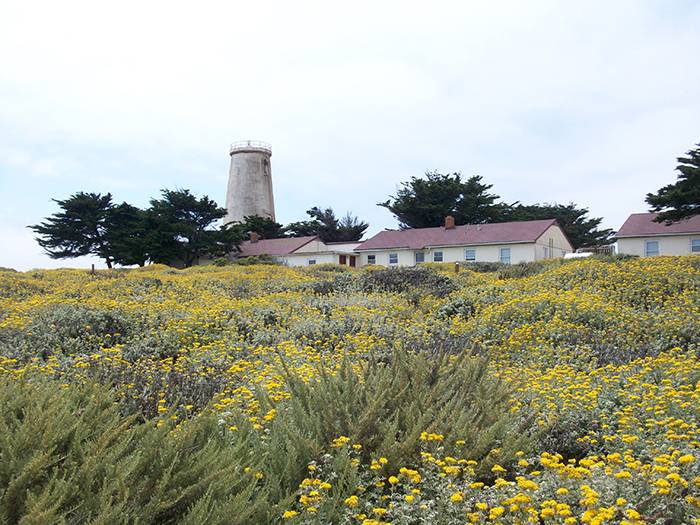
(420, 255)
(466, 255)
(502, 255)
(438, 256)
(695, 246)
(371, 259)
(395, 257)
(649, 252)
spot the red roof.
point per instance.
(470, 234)
(641, 224)
(283, 246)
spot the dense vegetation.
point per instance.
(552, 392)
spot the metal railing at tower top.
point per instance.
(251, 145)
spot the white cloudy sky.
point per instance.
(550, 101)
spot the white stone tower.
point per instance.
(249, 189)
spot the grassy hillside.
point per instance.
(553, 392)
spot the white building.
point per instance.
(509, 242)
(641, 236)
(301, 251)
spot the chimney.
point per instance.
(449, 222)
(254, 236)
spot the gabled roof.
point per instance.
(468, 235)
(283, 246)
(642, 224)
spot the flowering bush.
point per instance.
(584, 373)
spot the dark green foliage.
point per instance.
(265, 227)
(387, 407)
(126, 236)
(177, 228)
(414, 280)
(484, 267)
(222, 261)
(325, 224)
(263, 258)
(681, 200)
(80, 229)
(180, 229)
(581, 231)
(424, 203)
(402, 279)
(67, 456)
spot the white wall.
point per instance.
(524, 252)
(668, 245)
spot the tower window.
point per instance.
(266, 171)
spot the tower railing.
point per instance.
(251, 145)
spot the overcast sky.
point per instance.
(549, 101)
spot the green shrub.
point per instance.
(67, 456)
(484, 266)
(388, 405)
(263, 258)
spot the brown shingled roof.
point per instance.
(283, 246)
(641, 224)
(470, 234)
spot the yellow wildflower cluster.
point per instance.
(602, 354)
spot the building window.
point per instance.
(420, 257)
(651, 248)
(371, 259)
(311, 262)
(470, 255)
(544, 253)
(695, 246)
(393, 258)
(505, 255)
(437, 256)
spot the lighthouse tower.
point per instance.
(249, 189)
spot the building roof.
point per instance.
(642, 225)
(283, 246)
(467, 235)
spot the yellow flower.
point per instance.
(289, 514)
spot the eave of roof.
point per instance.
(642, 225)
(467, 235)
(283, 246)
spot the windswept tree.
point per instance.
(126, 236)
(181, 228)
(681, 200)
(80, 229)
(350, 228)
(425, 202)
(265, 227)
(326, 225)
